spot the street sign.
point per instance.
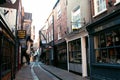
(21, 34)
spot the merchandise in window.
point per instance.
(107, 47)
(75, 51)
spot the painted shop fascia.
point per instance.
(76, 34)
(104, 37)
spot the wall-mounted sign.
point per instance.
(21, 34)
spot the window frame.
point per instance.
(117, 2)
(76, 13)
(103, 4)
(58, 11)
(59, 32)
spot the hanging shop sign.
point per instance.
(21, 34)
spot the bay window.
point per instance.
(107, 47)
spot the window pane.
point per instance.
(76, 18)
(100, 5)
(109, 38)
(118, 55)
(96, 42)
(116, 37)
(102, 40)
(101, 56)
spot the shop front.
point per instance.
(60, 53)
(77, 49)
(7, 52)
(61, 50)
(75, 56)
(104, 38)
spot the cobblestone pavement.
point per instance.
(62, 74)
(40, 71)
(24, 73)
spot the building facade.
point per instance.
(104, 40)
(9, 48)
(78, 17)
(49, 38)
(68, 37)
(27, 23)
(43, 44)
(60, 28)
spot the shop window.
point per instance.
(62, 55)
(7, 56)
(107, 47)
(75, 51)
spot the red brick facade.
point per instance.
(61, 21)
(110, 5)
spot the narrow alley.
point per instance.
(59, 39)
(40, 71)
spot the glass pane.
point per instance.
(98, 56)
(101, 5)
(117, 50)
(109, 41)
(116, 37)
(102, 40)
(111, 55)
(96, 42)
(101, 56)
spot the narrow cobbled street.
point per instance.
(40, 71)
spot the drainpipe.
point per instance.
(16, 49)
(53, 43)
(90, 5)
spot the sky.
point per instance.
(40, 10)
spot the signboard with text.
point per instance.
(21, 34)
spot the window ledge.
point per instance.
(100, 12)
(116, 3)
(117, 66)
